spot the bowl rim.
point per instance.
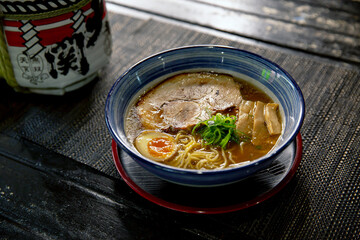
(167, 168)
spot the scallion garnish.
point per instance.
(219, 130)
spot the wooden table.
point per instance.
(57, 176)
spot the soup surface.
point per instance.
(203, 120)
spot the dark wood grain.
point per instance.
(313, 29)
(300, 13)
(351, 6)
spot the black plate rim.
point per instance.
(215, 210)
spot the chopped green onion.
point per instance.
(219, 130)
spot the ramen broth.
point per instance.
(189, 149)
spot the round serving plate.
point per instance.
(211, 200)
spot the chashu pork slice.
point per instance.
(245, 120)
(266, 123)
(271, 118)
(182, 114)
(181, 100)
(260, 131)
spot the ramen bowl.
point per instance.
(260, 72)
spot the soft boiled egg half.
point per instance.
(155, 145)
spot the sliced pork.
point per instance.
(195, 94)
(181, 114)
(245, 117)
(271, 118)
(258, 120)
(260, 131)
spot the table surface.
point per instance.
(57, 176)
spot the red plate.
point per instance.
(211, 200)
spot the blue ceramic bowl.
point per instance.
(251, 67)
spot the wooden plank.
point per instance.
(286, 34)
(61, 198)
(304, 14)
(349, 6)
(352, 6)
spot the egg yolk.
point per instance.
(160, 147)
